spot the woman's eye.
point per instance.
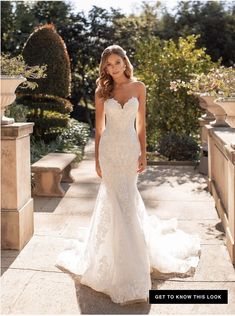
(118, 62)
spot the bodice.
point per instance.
(120, 118)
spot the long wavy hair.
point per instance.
(105, 82)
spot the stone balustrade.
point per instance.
(221, 178)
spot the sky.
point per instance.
(127, 6)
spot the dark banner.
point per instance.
(188, 296)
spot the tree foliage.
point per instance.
(159, 63)
(214, 21)
(87, 36)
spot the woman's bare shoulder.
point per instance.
(140, 86)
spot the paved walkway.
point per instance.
(32, 284)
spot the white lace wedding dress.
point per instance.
(123, 243)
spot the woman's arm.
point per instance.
(99, 123)
(140, 118)
(141, 125)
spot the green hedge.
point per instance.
(178, 147)
(50, 114)
(50, 102)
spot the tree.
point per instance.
(159, 63)
(56, 12)
(7, 26)
(23, 25)
(214, 23)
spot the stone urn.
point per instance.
(207, 102)
(208, 116)
(228, 105)
(8, 87)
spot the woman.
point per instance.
(124, 244)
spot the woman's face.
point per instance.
(115, 65)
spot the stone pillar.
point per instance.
(17, 225)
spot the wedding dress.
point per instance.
(123, 243)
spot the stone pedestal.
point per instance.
(17, 225)
(221, 179)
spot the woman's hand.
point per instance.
(98, 169)
(142, 163)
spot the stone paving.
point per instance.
(31, 284)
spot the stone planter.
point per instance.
(228, 105)
(208, 103)
(8, 87)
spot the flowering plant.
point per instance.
(16, 66)
(218, 82)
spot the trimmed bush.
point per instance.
(50, 103)
(178, 147)
(45, 46)
(49, 113)
(48, 108)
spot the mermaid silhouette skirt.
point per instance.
(123, 243)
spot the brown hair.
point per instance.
(105, 83)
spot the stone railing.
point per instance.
(221, 178)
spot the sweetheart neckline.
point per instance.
(122, 106)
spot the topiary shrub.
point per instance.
(48, 108)
(178, 147)
(45, 46)
(49, 113)
(50, 102)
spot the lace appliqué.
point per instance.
(123, 243)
